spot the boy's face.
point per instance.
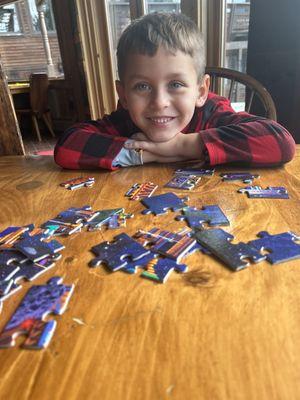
(161, 92)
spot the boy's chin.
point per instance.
(160, 136)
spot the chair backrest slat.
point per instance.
(253, 87)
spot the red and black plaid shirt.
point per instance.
(229, 137)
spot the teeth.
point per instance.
(161, 120)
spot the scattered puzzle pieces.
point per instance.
(213, 215)
(282, 247)
(276, 192)
(160, 204)
(245, 177)
(218, 243)
(29, 316)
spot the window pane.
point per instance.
(237, 28)
(48, 14)
(23, 52)
(119, 14)
(162, 5)
(9, 22)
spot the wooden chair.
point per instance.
(38, 103)
(253, 89)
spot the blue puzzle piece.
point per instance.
(160, 269)
(114, 254)
(282, 247)
(35, 306)
(218, 243)
(271, 192)
(161, 203)
(131, 265)
(195, 218)
(183, 182)
(246, 177)
(34, 248)
(103, 218)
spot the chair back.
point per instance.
(252, 86)
(39, 92)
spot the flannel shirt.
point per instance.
(228, 136)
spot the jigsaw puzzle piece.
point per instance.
(276, 192)
(213, 215)
(160, 269)
(245, 177)
(141, 190)
(218, 243)
(195, 171)
(35, 306)
(6, 273)
(282, 247)
(35, 249)
(77, 183)
(132, 266)
(161, 203)
(114, 254)
(168, 244)
(183, 182)
(103, 218)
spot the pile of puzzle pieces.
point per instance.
(143, 250)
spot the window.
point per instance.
(236, 43)
(48, 14)
(23, 52)
(9, 21)
(162, 6)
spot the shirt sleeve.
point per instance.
(127, 158)
(242, 138)
(94, 144)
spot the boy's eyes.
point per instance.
(142, 86)
(175, 85)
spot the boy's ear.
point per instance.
(203, 91)
(121, 93)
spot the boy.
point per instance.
(166, 110)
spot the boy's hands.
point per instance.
(180, 147)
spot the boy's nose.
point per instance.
(160, 99)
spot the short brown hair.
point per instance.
(172, 31)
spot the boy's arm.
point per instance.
(225, 136)
(94, 144)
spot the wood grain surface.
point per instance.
(207, 334)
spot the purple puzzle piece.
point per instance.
(246, 177)
(159, 269)
(183, 182)
(195, 218)
(218, 243)
(276, 192)
(195, 171)
(114, 254)
(161, 203)
(35, 306)
(282, 247)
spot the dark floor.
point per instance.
(32, 145)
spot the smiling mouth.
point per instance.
(161, 120)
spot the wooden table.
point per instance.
(207, 334)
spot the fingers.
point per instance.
(139, 144)
(139, 136)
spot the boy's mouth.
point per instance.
(161, 120)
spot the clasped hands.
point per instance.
(179, 148)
